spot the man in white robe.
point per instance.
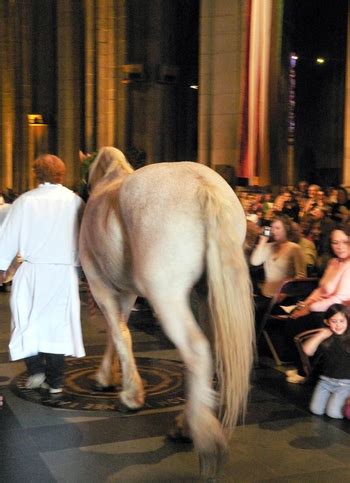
(42, 226)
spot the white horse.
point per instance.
(157, 232)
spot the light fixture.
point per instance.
(35, 118)
(194, 87)
(320, 60)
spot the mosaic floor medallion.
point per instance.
(162, 379)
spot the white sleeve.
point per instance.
(260, 254)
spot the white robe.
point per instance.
(4, 209)
(42, 226)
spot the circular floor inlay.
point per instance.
(162, 380)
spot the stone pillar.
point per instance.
(161, 133)
(281, 167)
(15, 93)
(22, 164)
(120, 59)
(222, 59)
(104, 54)
(346, 150)
(239, 65)
(68, 90)
(151, 98)
(7, 94)
(105, 72)
(90, 76)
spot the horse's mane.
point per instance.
(108, 160)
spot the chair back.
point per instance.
(298, 288)
(290, 291)
(299, 340)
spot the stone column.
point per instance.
(238, 66)
(120, 59)
(7, 94)
(161, 105)
(90, 76)
(104, 54)
(346, 151)
(15, 92)
(222, 59)
(105, 72)
(22, 164)
(280, 166)
(151, 98)
(68, 89)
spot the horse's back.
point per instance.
(164, 220)
(171, 190)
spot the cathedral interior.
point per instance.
(258, 91)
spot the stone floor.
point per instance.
(280, 441)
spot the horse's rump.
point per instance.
(165, 221)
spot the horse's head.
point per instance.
(108, 160)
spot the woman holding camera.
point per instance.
(282, 259)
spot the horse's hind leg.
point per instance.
(199, 306)
(116, 308)
(180, 326)
(108, 373)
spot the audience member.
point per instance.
(341, 209)
(322, 202)
(290, 206)
(307, 246)
(280, 199)
(281, 259)
(332, 347)
(311, 201)
(302, 189)
(331, 195)
(319, 229)
(267, 205)
(334, 287)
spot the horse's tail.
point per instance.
(230, 302)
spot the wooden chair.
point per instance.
(299, 339)
(289, 293)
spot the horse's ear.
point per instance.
(105, 159)
(108, 160)
(95, 174)
(105, 162)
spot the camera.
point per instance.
(267, 231)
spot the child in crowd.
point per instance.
(333, 343)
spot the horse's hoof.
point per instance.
(210, 464)
(97, 387)
(176, 435)
(123, 408)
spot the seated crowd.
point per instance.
(302, 232)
